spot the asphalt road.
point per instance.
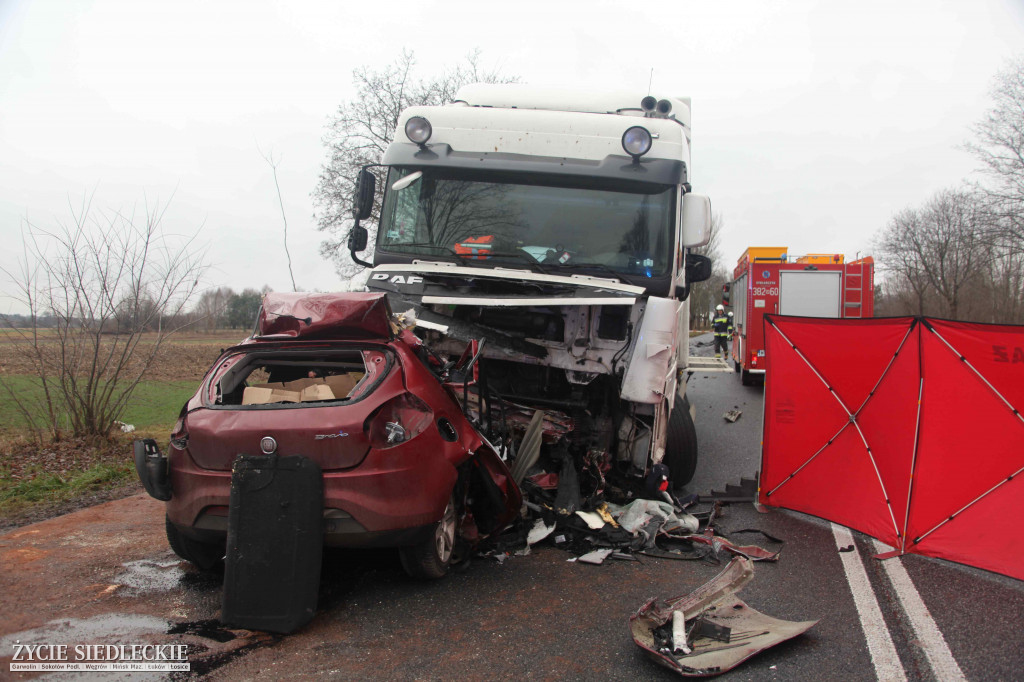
(105, 575)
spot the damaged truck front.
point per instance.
(550, 229)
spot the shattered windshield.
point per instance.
(554, 221)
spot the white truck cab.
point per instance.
(554, 225)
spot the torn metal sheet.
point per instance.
(712, 613)
(720, 544)
(546, 481)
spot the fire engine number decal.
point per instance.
(765, 291)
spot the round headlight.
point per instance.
(636, 141)
(418, 129)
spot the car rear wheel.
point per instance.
(205, 556)
(431, 558)
(681, 444)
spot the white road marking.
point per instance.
(880, 646)
(928, 635)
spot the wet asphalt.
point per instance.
(105, 574)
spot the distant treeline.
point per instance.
(220, 308)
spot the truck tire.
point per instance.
(681, 445)
(205, 556)
(430, 559)
(745, 378)
(736, 367)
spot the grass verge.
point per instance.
(46, 488)
(42, 480)
(154, 404)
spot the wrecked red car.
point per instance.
(332, 378)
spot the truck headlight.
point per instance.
(418, 130)
(636, 141)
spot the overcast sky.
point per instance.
(813, 122)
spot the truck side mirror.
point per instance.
(357, 238)
(698, 268)
(366, 187)
(726, 289)
(696, 218)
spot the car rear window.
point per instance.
(274, 377)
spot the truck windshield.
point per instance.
(558, 221)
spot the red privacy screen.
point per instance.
(907, 429)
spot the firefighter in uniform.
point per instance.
(722, 325)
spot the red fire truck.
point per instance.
(769, 280)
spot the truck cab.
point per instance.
(552, 228)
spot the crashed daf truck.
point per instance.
(546, 232)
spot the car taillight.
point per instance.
(179, 436)
(398, 420)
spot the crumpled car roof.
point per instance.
(337, 316)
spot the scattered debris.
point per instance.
(848, 548)
(596, 557)
(732, 415)
(720, 630)
(539, 531)
(719, 544)
(593, 519)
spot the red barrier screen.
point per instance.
(907, 429)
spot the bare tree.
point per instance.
(272, 162)
(212, 307)
(105, 278)
(933, 256)
(362, 129)
(999, 145)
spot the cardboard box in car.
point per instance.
(333, 387)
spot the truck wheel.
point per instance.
(745, 378)
(681, 445)
(736, 367)
(203, 555)
(431, 558)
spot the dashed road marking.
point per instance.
(928, 635)
(876, 633)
